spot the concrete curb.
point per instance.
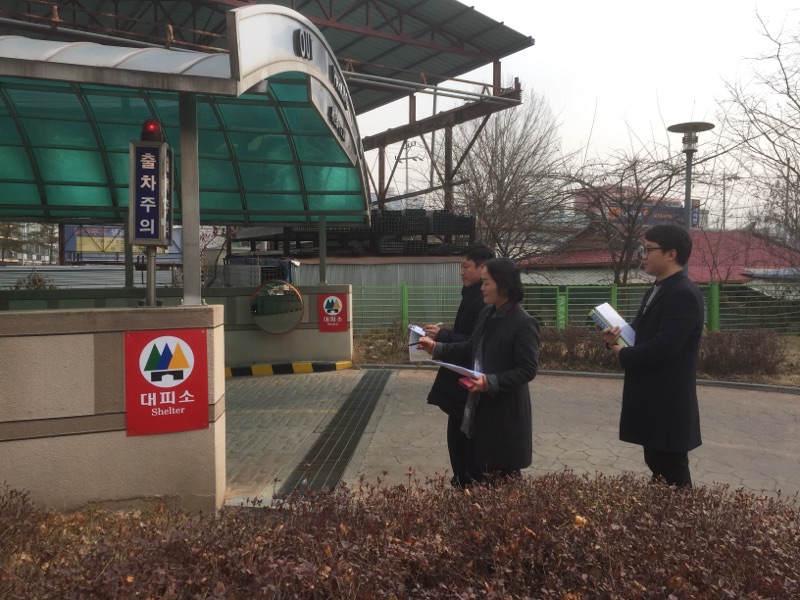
(759, 387)
(323, 367)
(287, 368)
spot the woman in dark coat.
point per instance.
(504, 348)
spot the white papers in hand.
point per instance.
(416, 354)
(458, 369)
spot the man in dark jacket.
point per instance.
(446, 393)
(659, 398)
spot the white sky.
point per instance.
(607, 67)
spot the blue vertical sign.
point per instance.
(150, 188)
(170, 188)
(695, 213)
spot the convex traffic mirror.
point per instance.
(276, 306)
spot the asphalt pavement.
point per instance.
(282, 425)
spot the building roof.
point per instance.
(580, 276)
(413, 41)
(725, 256)
(730, 256)
(278, 139)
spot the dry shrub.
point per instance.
(747, 353)
(557, 536)
(575, 349)
(381, 346)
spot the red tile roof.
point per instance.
(716, 256)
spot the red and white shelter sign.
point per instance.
(166, 381)
(332, 310)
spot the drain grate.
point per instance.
(324, 464)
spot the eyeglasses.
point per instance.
(645, 250)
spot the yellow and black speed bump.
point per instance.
(287, 368)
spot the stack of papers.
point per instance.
(414, 353)
(458, 369)
(605, 316)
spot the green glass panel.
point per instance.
(117, 137)
(167, 110)
(19, 215)
(77, 195)
(119, 109)
(120, 167)
(212, 144)
(274, 202)
(262, 146)
(333, 179)
(8, 131)
(315, 149)
(287, 219)
(216, 175)
(249, 117)
(220, 200)
(206, 119)
(123, 196)
(60, 134)
(107, 214)
(172, 135)
(20, 193)
(263, 177)
(305, 121)
(69, 165)
(332, 202)
(291, 92)
(14, 164)
(35, 103)
(288, 77)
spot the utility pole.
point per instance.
(726, 177)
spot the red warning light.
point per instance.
(151, 131)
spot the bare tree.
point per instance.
(512, 171)
(214, 240)
(624, 196)
(10, 239)
(46, 236)
(762, 127)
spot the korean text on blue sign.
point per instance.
(149, 197)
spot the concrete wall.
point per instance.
(245, 343)
(62, 411)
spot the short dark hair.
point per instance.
(506, 275)
(671, 236)
(478, 253)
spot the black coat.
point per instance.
(445, 392)
(659, 399)
(503, 436)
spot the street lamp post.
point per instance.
(689, 131)
(726, 177)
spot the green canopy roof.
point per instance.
(278, 140)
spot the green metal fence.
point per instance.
(773, 306)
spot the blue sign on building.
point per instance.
(150, 190)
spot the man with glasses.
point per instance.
(659, 398)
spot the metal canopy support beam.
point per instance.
(381, 177)
(323, 249)
(456, 116)
(448, 168)
(190, 199)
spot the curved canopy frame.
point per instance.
(277, 137)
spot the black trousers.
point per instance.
(459, 450)
(673, 467)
